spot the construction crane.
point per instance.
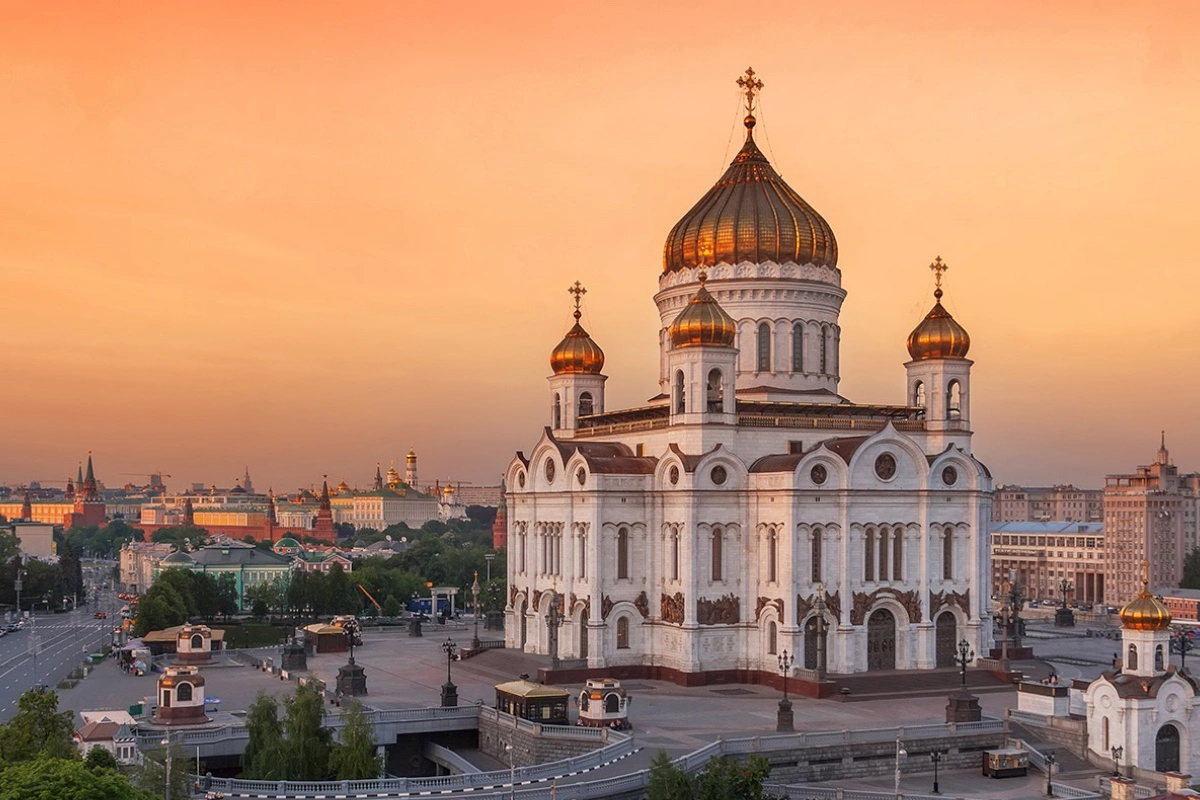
(374, 602)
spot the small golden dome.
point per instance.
(703, 322)
(1145, 612)
(577, 354)
(938, 335)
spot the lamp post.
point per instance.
(512, 772)
(449, 690)
(475, 604)
(784, 720)
(964, 657)
(489, 558)
(936, 758)
(166, 743)
(900, 753)
(1050, 760)
(822, 629)
(1117, 752)
(1182, 644)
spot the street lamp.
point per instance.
(784, 721)
(936, 758)
(900, 753)
(1117, 752)
(475, 603)
(1182, 643)
(489, 558)
(965, 656)
(1050, 761)
(166, 743)
(449, 690)
(512, 772)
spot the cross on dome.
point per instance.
(579, 292)
(938, 266)
(750, 86)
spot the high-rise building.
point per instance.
(1065, 503)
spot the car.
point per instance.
(101, 615)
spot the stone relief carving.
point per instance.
(606, 606)
(763, 602)
(768, 269)
(726, 610)
(671, 608)
(862, 603)
(512, 595)
(537, 599)
(805, 605)
(940, 600)
(642, 604)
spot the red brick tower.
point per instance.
(189, 513)
(500, 526)
(269, 525)
(27, 508)
(324, 529)
(89, 503)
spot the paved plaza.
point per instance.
(407, 672)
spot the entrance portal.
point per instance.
(810, 643)
(881, 640)
(1166, 749)
(947, 629)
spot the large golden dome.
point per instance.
(750, 215)
(1145, 612)
(938, 335)
(703, 322)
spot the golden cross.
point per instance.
(751, 86)
(938, 266)
(579, 292)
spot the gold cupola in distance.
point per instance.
(938, 335)
(703, 322)
(1145, 612)
(577, 354)
(750, 214)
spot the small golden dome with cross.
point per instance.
(938, 335)
(703, 322)
(577, 354)
(1145, 612)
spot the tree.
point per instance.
(263, 758)
(391, 606)
(38, 729)
(184, 537)
(353, 758)
(227, 595)
(63, 779)
(1191, 570)
(160, 607)
(341, 596)
(181, 581)
(205, 594)
(100, 758)
(306, 740)
(151, 775)
(667, 782)
(721, 779)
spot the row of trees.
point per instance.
(721, 779)
(298, 747)
(44, 585)
(178, 594)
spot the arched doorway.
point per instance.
(1166, 749)
(947, 629)
(583, 635)
(810, 643)
(881, 640)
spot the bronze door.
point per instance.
(810, 643)
(946, 631)
(881, 640)
(1166, 749)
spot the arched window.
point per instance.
(622, 633)
(623, 553)
(679, 393)
(716, 391)
(197, 642)
(557, 411)
(1158, 659)
(674, 555)
(764, 347)
(183, 692)
(583, 556)
(771, 637)
(897, 554)
(1131, 659)
(869, 556)
(1106, 748)
(954, 400)
(824, 350)
(947, 554)
(883, 554)
(716, 554)
(919, 394)
(798, 347)
(585, 404)
(772, 555)
(816, 556)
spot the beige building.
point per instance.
(1048, 504)
(139, 564)
(1040, 555)
(37, 538)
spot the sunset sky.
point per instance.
(304, 236)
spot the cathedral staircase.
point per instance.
(914, 683)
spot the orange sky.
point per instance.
(304, 236)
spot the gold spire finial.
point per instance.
(1145, 577)
(579, 292)
(703, 276)
(750, 87)
(938, 266)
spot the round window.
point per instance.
(885, 466)
(949, 476)
(550, 470)
(719, 475)
(818, 475)
(581, 476)
(673, 475)
(521, 479)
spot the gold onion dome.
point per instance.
(750, 215)
(703, 322)
(1145, 612)
(938, 335)
(577, 354)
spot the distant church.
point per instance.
(696, 537)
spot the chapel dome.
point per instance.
(752, 215)
(703, 322)
(938, 335)
(178, 557)
(577, 353)
(1145, 613)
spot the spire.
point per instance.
(938, 266)
(378, 478)
(579, 292)
(750, 87)
(91, 475)
(27, 507)
(324, 506)
(79, 476)
(1163, 456)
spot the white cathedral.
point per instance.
(697, 537)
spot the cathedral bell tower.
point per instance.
(702, 362)
(576, 387)
(1145, 633)
(939, 374)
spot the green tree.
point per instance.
(181, 581)
(341, 596)
(160, 607)
(184, 537)
(721, 779)
(353, 758)
(667, 782)
(391, 606)
(205, 594)
(306, 741)
(100, 758)
(62, 779)
(227, 595)
(10, 545)
(38, 729)
(263, 757)
(151, 774)
(1191, 570)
